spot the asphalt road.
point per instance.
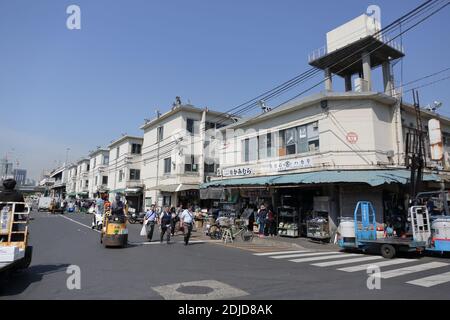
(202, 270)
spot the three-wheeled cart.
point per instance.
(363, 235)
(15, 253)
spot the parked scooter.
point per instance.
(97, 222)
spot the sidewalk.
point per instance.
(295, 243)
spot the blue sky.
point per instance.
(81, 89)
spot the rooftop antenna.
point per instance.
(433, 108)
(158, 114)
(263, 106)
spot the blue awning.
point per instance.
(372, 177)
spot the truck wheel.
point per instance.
(26, 261)
(388, 251)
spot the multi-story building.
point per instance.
(20, 175)
(82, 182)
(59, 178)
(124, 171)
(174, 162)
(320, 155)
(98, 173)
(71, 184)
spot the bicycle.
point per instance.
(229, 233)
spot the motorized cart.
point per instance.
(114, 232)
(15, 253)
(361, 233)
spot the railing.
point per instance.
(323, 51)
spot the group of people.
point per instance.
(264, 217)
(167, 219)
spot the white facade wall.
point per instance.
(98, 169)
(370, 120)
(121, 161)
(71, 179)
(82, 183)
(178, 145)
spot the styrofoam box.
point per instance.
(10, 254)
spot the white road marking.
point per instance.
(412, 269)
(164, 242)
(306, 255)
(323, 258)
(81, 224)
(364, 267)
(219, 291)
(337, 263)
(432, 280)
(279, 252)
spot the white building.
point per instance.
(71, 184)
(173, 154)
(98, 173)
(124, 170)
(82, 182)
(320, 155)
(59, 178)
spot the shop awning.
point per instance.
(133, 190)
(176, 187)
(372, 177)
(211, 193)
(72, 194)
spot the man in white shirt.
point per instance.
(150, 220)
(187, 220)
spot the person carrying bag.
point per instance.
(150, 221)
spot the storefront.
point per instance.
(311, 204)
(134, 198)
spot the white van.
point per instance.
(44, 203)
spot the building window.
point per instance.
(265, 146)
(167, 165)
(117, 152)
(190, 164)
(190, 126)
(120, 175)
(136, 148)
(105, 180)
(210, 168)
(299, 140)
(135, 174)
(250, 149)
(167, 200)
(96, 181)
(86, 184)
(95, 163)
(88, 168)
(160, 134)
(106, 160)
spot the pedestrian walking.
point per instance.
(187, 220)
(261, 219)
(271, 224)
(150, 221)
(174, 220)
(165, 224)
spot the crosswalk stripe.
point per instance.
(337, 263)
(432, 280)
(378, 264)
(329, 257)
(412, 269)
(279, 252)
(297, 255)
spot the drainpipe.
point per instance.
(201, 158)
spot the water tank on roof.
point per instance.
(352, 31)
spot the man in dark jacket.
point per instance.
(9, 194)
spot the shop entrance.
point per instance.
(134, 202)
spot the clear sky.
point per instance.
(80, 89)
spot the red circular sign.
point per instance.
(352, 137)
